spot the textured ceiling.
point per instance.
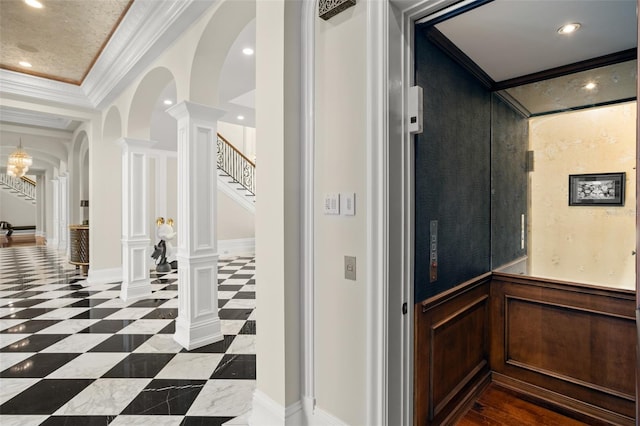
(62, 40)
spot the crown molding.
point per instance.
(147, 29)
(30, 86)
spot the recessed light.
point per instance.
(34, 3)
(241, 117)
(569, 28)
(24, 64)
(168, 102)
(590, 86)
(247, 51)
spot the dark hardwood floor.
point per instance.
(19, 240)
(498, 406)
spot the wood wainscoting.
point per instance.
(570, 345)
(451, 351)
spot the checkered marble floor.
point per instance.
(76, 354)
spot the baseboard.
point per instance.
(267, 412)
(322, 418)
(569, 406)
(237, 246)
(104, 276)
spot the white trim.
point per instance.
(104, 276)
(237, 246)
(377, 287)
(322, 418)
(238, 195)
(307, 171)
(267, 412)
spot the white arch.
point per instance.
(144, 101)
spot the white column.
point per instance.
(55, 237)
(161, 186)
(63, 215)
(41, 204)
(136, 283)
(198, 323)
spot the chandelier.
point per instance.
(19, 162)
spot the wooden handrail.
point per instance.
(26, 179)
(236, 150)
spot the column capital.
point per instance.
(131, 144)
(195, 111)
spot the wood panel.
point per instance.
(451, 351)
(568, 344)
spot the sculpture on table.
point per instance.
(163, 252)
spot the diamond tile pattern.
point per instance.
(74, 353)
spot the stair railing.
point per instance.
(25, 187)
(236, 165)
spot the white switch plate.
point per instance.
(348, 203)
(331, 203)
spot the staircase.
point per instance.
(22, 187)
(236, 174)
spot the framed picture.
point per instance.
(597, 189)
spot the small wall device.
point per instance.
(414, 109)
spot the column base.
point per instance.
(192, 335)
(133, 291)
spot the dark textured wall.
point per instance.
(452, 172)
(510, 142)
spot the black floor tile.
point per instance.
(148, 303)
(245, 295)
(78, 421)
(229, 287)
(29, 327)
(234, 366)
(241, 276)
(234, 314)
(169, 329)
(29, 313)
(44, 397)
(121, 343)
(139, 365)
(204, 421)
(162, 313)
(249, 327)
(34, 343)
(87, 303)
(38, 365)
(106, 326)
(25, 303)
(97, 313)
(165, 397)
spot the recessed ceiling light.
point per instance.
(590, 86)
(34, 3)
(241, 117)
(24, 64)
(569, 28)
(247, 51)
(168, 102)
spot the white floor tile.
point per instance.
(103, 397)
(223, 398)
(190, 366)
(90, 365)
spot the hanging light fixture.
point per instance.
(19, 162)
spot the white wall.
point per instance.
(15, 210)
(234, 221)
(340, 152)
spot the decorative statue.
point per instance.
(164, 252)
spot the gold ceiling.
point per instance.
(62, 40)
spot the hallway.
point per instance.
(77, 354)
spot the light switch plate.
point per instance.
(348, 203)
(350, 267)
(331, 203)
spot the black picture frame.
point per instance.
(597, 189)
